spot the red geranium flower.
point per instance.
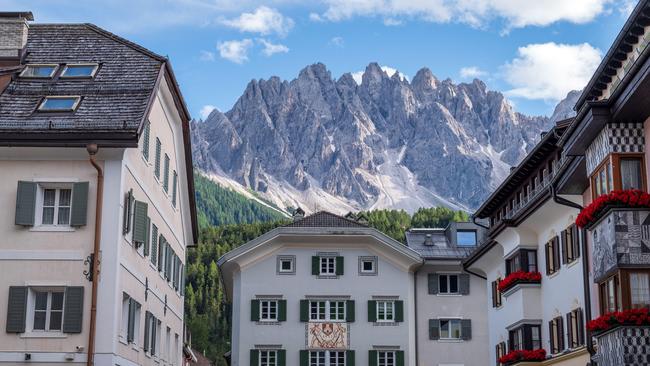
(629, 198)
(519, 276)
(516, 356)
(629, 317)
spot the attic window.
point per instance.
(39, 71)
(466, 238)
(59, 104)
(79, 71)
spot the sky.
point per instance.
(535, 52)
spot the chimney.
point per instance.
(298, 214)
(13, 36)
(428, 240)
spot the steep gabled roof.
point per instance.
(325, 219)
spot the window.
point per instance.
(618, 171)
(48, 310)
(610, 295)
(327, 310)
(524, 260)
(639, 290)
(466, 238)
(385, 311)
(79, 70)
(166, 173)
(150, 337)
(448, 284)
(367, 266)
(525, 337)
(268, 310)
(575, 329)
(570, 244)
(59, 104)
(130, 318)
(556, 331)
(496, 294)
(286, 264)
(168, 344)
(386, 358)
(326, 358)
(552, 256)
(327, 266)
(39, 71)
(500, 351)
(145, 140)
(174, 187)
(602, 179)
(156, 169)
(268, 358)
(55, 206)
(631, 173)
(450, 329)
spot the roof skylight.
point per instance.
(59, 104)
(39, 71)
(79, 70)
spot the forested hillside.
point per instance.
(217, 205)
(207, 311)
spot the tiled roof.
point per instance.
(325, 219)
(438, 247)
(117, 97)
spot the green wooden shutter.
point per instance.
(161, 253)
(315, 265)
(372, 311)
(73, 309)
(183, 279)
(463, 284)
(147, 320)
(126, 219)
(349, 311)
(434, 329)
(255, 357)
(565, 252)
(255, 310)
(581, 327)
(400, 358)
(304, 358)
(339, 266)
(349, 358)
(282, 357)
(174, 187)
(154, 326)
(399, 311)
(25, 203)
(166, 173)
(466, 329)
(156, 168)
(17, 309)
(145, 140)
(433, 283)
(131, 322)
(140, 222)
(372, 358)
(304, 310)
(168, 261)
(282, 310)
(79, 210)
(147, 239)
(154, 244)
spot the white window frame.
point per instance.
(449, 330)
(363, 261)
(92, 74)
(31, 309)
(329, 356)
(77, 99)
(40, 197)
(331, 308)
(265, 310)
(386, 358)
(448, 276)
(269, 354)
(28, 66)
(388, 307)
(291, 260)
(328, 264)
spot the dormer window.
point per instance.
(59, 104)
(466, 238)
(79, 70)
(45, 71)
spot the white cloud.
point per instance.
(235, 51)
(337, 42)
(263, 20)
(549, 70)
(314, 17)
(358, 75)
(626, 7)
(516, 13)
(391, 22)
(206, 110)
(206, 56)
(471, 72)
(270, 48)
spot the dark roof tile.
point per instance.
(325, 219)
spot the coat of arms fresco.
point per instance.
(327, 335)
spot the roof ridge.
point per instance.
(124, 41)
(325, 213)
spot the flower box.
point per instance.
(519, 277)
(634, 317)
(514, 357)
(632, 198)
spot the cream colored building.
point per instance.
(69, 94)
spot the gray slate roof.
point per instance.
(325, 219)
(439, 247)
(117, 98)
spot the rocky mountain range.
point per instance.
(324, 143)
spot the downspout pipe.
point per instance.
(585, 270)
(92, 152)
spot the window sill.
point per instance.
(571, 264)
(450, 340)
(268, 322)
(122, 340)
(449, 295)
(367, 273)
(43, 335)
(327, 277)
(48, 229)
(384, 324)
(553, 275)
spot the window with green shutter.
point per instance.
(433, 283)
(349, 311)
(156, 167)
(79, 209)
(25, 203)
(161, 253)
(145, 140)
(166, 173)
(174, 187)
(339, 266)
(255, 310)
(17, 309)
(304, 310)
(372, 311)
(140, 222)
(154, 244)
(147, 240)
(73, 309)
(128, 212)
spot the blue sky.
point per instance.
(535, 52)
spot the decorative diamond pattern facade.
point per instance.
(624, 346)
(615, 138)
